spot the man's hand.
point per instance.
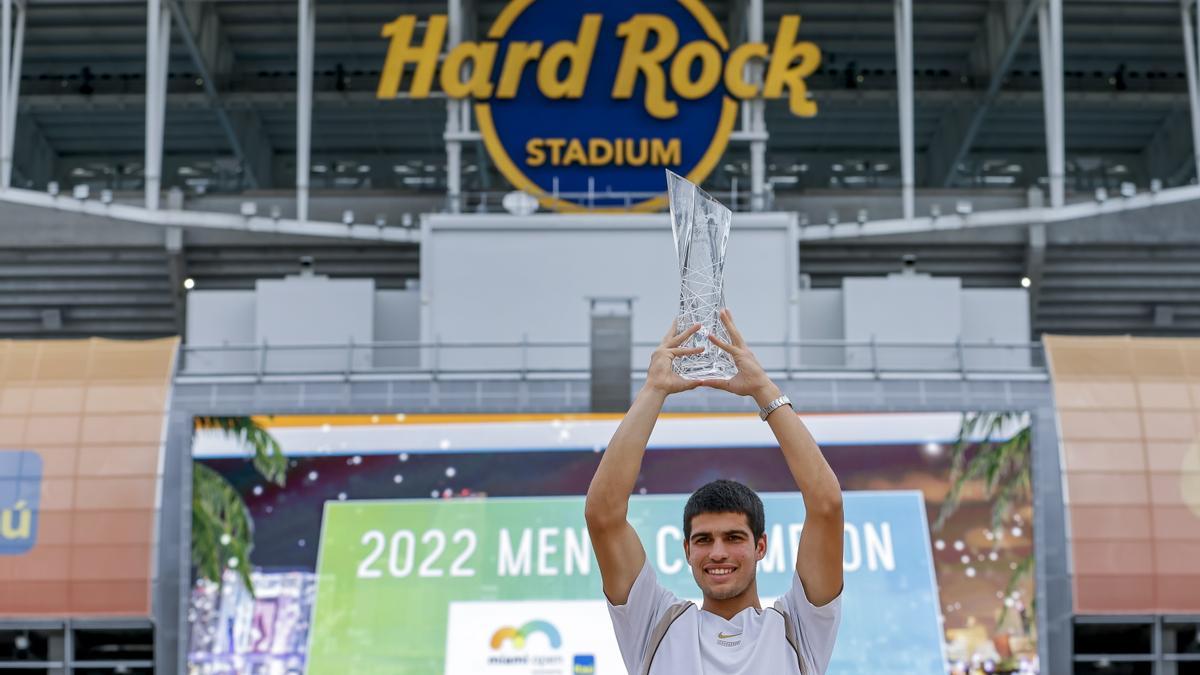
(751, 379)
(661, 377)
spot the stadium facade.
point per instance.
(265, 263)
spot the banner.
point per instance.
(456, 543)
(451, 577)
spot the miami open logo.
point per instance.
(518, 639)
(20, 491)
(599, 97)
(517, 636)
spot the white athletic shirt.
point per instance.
(700, 642)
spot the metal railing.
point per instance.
(482, 201)
(544, 359)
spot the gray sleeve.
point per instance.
(633, 621)
(816, 627)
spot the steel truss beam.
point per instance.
(993, 90)
(210, 91)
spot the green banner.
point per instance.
(510, 585)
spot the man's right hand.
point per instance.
(661, 376)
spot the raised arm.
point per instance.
(819, 559)
(618, 549)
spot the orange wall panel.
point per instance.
(83, 422)
(1129, 423)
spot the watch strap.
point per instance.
(773, 406)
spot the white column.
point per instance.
(1189, 50)
(454, 114)
(306, 22)
(1050, 46)
(758, 117)
(10, 85)
(904, 85)
(158, 46)
(5, 73)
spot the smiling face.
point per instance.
(723, 555)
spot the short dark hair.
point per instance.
(725, 496)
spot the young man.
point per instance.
(724, 540)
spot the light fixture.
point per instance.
(1026, 282)
(249, 209)
(862, 216)
(52, 188)
(189, 283)
(106, 196)
(1128, 189)
(347, 217)
(80, 192)
(1101, 194)
(276, 212)
(1155, 185)
(963, 207)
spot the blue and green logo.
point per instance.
(20, 492)
(600, 96)
(518, 635)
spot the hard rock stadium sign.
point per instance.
(601, 95)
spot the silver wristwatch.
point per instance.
(772, 406)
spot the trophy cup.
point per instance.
(701, 228)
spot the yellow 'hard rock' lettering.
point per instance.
(735, 82)
(710, 70)
(401, 51)
(782, 73)
(635, 59)
(519, 54)
(482, 57)
(578, 54)
(651, 52)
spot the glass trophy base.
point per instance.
(711, 373)
(713, 364)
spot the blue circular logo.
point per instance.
(594, 98)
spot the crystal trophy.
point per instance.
(701, 227)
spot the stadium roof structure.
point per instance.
(83, 94)
(230, 137)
